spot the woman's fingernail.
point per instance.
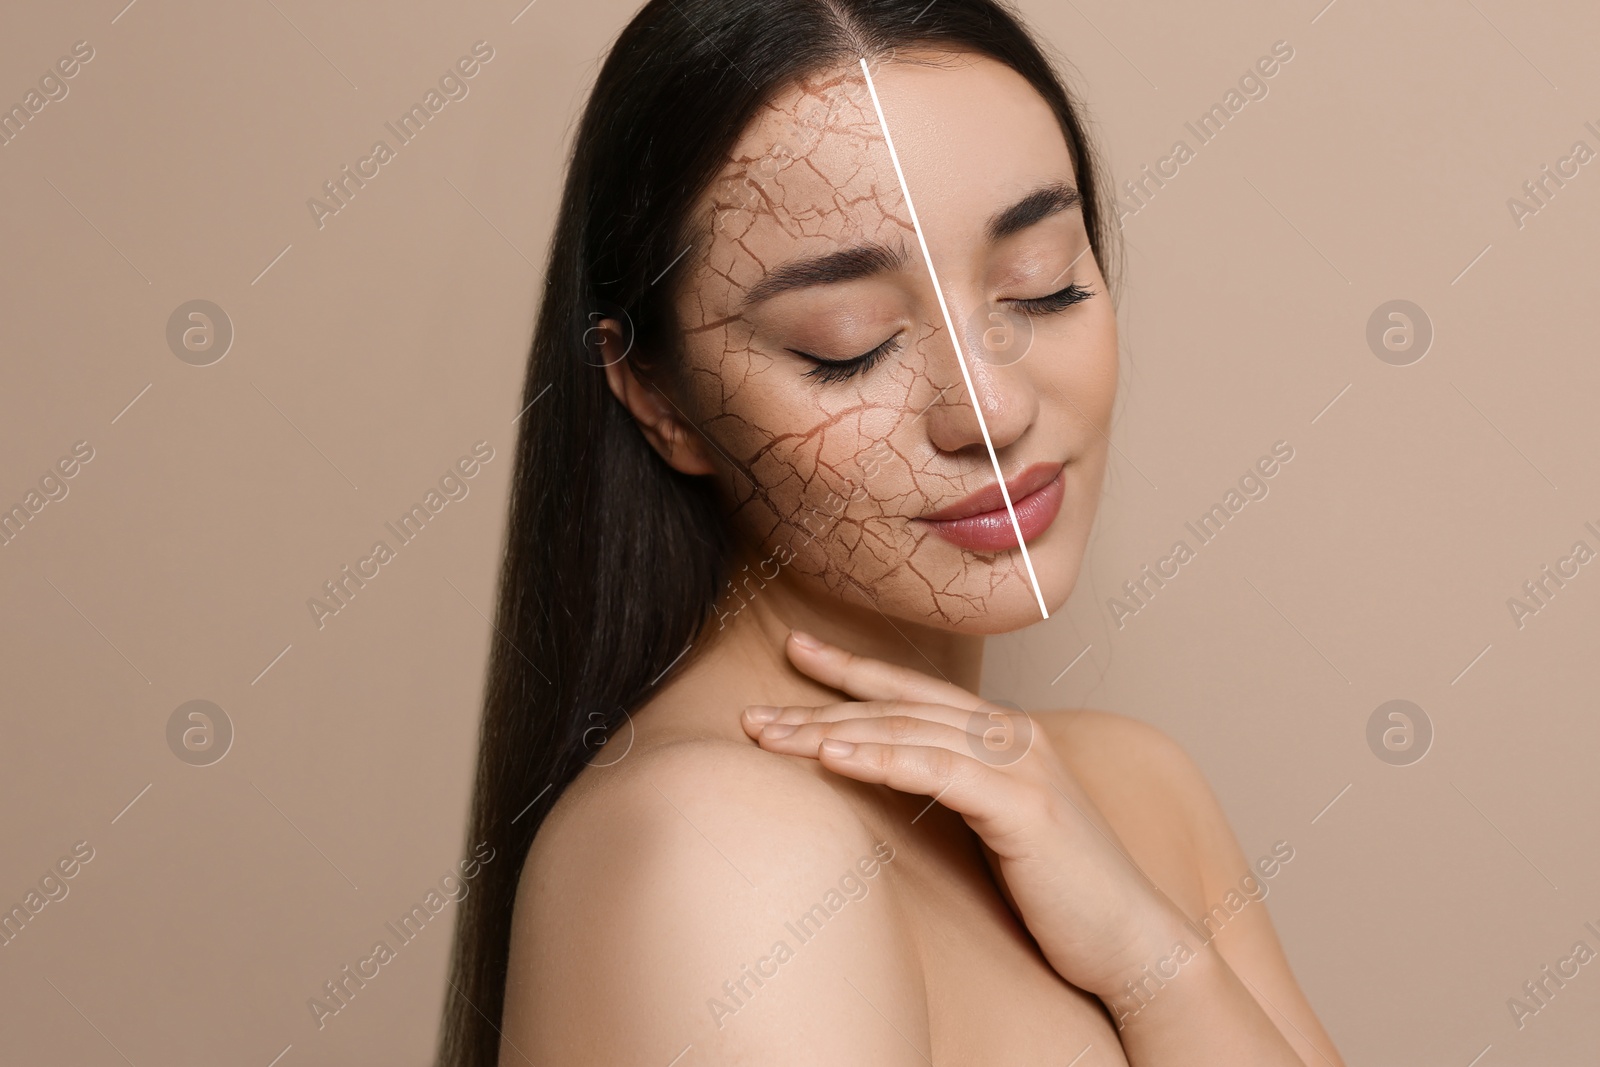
(837, 748)
(805, 640)
(760, 713)
(777, 729)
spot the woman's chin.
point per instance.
(1017, 608)
(1007, 603)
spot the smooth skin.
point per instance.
(828, 850)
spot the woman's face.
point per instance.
(820, 371)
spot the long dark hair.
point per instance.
(613, 561)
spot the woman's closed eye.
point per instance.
(1054, 302)
(838, 370)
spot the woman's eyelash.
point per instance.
(831, 370)
(838, 370)
(1054, 302)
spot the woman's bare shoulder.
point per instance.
(1104, 739)
(1119, 750)
(709, 893)
(653, 796)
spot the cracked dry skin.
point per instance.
(825, 472)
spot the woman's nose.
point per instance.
(995, 376)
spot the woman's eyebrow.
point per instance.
(847, 264)
(1038, 205)
(862, 261)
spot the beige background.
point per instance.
(373, 352)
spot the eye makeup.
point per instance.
(838, 370)
(1054, 302)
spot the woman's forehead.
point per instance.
(811, 173)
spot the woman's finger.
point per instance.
(757, 715)
(870, 679)
(999, 736)
(804, 739)
(965, 785)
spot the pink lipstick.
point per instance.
(979, 523)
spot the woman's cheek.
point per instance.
(819, 474)
(1094, 374)
(799, 467)
(813, 497)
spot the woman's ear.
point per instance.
(663, 425)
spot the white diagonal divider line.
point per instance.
(955, 340)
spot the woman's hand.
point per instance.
(1096, 917)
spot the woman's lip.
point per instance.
(988, 499)
(992, 531)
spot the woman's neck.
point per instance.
(764, 619)
(742, 661)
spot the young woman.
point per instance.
(746, 803)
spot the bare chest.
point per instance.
(992, 997)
